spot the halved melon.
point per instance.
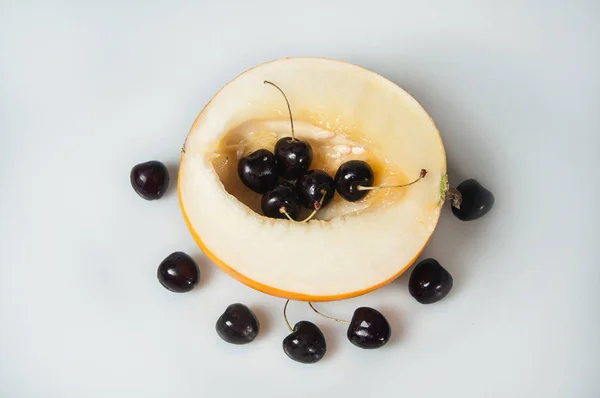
(345, 112)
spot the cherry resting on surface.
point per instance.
(150, 179)
(429, 282)
(258, 171)
(306, 344)
(178, 272)
(476, 201)
(310, 188)
(282, 197)
(368, 328)
(237, 325)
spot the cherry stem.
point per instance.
(421, 176)
(327, 316)
(288, 105)
(285, 316)
(455, 196)
(318, 206)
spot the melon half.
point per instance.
(345, 112)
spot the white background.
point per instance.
(90, 88)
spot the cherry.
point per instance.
(311, 187)
(178, 272)
(305, 343)
(258, 171)
(429, 282)
(293, 156)
(476, 201)
(368, 328)
(237, 325)
(281, 200)
(349, 176)
(150, 179)
(354, 179)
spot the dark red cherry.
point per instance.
(258, 171)
(150, 179)
(368, 328)
(476, 201)
(293, 157)
(237, 325)
(349, 176)
(282, 196)
(178, 272)
(310, 188)
(306, 344)
(429, 282)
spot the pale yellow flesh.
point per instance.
(353, 246)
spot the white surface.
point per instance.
(87, 89)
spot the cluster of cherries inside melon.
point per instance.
(286, 182)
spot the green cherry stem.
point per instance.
(285, 316)
(327, 316)
(288, 106)
(421, 176)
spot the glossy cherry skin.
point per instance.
(476, 201)
(258, 171)
(429, 282)
(283, 195)
(293, 157)
(310, 186)
(178, 272)
(349, 176)
(306, 344)
(150, 179)
(237, 325)
(368, 328)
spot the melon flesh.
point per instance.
(345, 112)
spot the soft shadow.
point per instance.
(396, 325)
(265, 320)
(447, 245)
(173, 169)
(468, 153)
(207, 268)
(333, 335)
